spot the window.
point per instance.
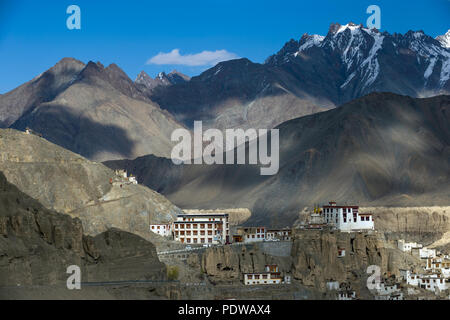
(195, 240)
(209, 226)
(188, 233)
(253, 236)
(209, 232)
(202, 226)
(194, 226)
(202, 240)
(158, 227)
(182, 226)
(176, 226)
(202, 232)
(257, 276)
(188, 240)
(250, 276)
(209, 240)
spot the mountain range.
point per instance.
(94, 111)
(380, 149)
(355, 121)
(311, 74)
(102, 114)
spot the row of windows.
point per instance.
(196, 240)
(256, 276)
(195, 225)
(195, 232)
(257, 236)
(159, 227)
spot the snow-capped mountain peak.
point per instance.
(364, 56)
(444, 40)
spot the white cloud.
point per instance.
(204, 58)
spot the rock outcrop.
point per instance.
(37, 245)
(228, 263)
(316, 260)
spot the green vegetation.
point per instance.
(172, 272)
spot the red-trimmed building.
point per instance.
(347, 218)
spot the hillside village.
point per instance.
(198, 230)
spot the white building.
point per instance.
(440, 264)
(278, 234)
(198, 228)
(410, 277)
(434, 282)
(346, 295)
(252, 234)
(132, 179)
(332, 285)
(270, 276)
(407, 246)
(347, 218)
(341, 252)
(163, 229)
(425, 253)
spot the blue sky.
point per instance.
(34, 36)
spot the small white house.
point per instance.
(332, 285)
(270, 276)
(163, 229)
(407, 246)
(434, 282)
(425, 253)
(132, 179)
(439, 264)
(346, 295)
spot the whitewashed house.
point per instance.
(347, 218)
(252, 234)
(271, 275)
(441, 264)
(163, 229)
(408, 246)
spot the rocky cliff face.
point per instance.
(226, 264)
(37, 245)
(420, 224)
(316, 260)
(69, 183)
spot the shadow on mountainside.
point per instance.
(77, 133)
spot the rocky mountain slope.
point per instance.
(381, 149)
(94, 111)
(68, 183)
(37, 245)
(309, 75)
